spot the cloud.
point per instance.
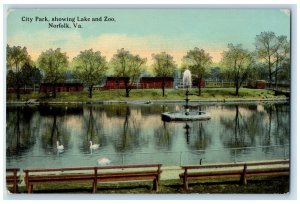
(108, 43)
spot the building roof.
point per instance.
(117, 78)
(151, 79)
(62, 84)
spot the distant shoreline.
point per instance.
(150, 102)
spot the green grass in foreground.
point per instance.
(151, 94)
(270, 185)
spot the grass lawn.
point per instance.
(151, 94)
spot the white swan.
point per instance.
(103, 161)
(93, 146)
(59, 147)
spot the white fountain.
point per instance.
(186, 114)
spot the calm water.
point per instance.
(133, 134)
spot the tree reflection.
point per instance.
(92, 129)
(20, 133)
(235, 129)
(129, 136)
(277, 126)
(282, 131)
(256, 128)
(54, 129)
(201, 138)
(163, 136)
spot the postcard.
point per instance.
(148, 100)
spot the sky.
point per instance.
(143, 31)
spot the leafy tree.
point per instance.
(266, 46)
(53, 63)
(282, 56)
(30, 75)
(90, 68)
(238, 62)
(198, 61)
(164, 66)
(128, 66)
(215, 73)
(16, 57)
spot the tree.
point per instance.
(164, 66)
(128, 66)
(238, 62)
(282, 55)
(266, 46)
(90, 68)
(215, 74)
(16, 57)
(30, 75)
(197, 61)
(53, 63)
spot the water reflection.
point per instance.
(21, 130)
(138, 129)
(129, 134)
(163, 137)
(202, 137)
(92, 129)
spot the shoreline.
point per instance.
(149, 102)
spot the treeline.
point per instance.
(270, 61)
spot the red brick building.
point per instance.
(196, 83)
(115, 82)
(23, 90)
(155, 82)
(260, 84)
(61, 87)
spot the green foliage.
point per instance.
(197, 61)
(274, 51)
(16, 57)
(90, 67)
(30, 74)
(127, 65)
(54, 64)
(163, 65)
(238, 62)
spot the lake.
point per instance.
(136, 134)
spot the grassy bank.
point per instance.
(151, 94)
(262, 185)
